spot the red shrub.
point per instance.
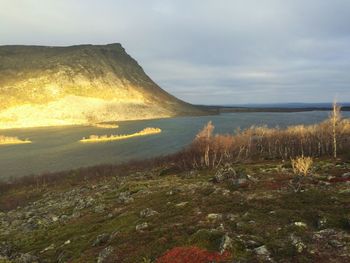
(191, 255)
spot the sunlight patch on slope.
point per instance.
(77, 110)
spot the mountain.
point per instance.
(46, 86)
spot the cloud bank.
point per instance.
(212, 52)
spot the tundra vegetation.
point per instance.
(225, 198)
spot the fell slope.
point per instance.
(44, 86)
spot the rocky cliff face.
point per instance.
(44, 86)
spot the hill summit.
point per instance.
(47, 86)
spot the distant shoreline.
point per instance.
(236, 109)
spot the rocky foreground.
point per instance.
(240, 213)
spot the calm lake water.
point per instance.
(58, 148)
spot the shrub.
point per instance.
(323, 139)
(302, 165)
(191, 255)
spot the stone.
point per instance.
(125, 198)
(182, 204)
(225, 244)
(262, 251)
(214, 217)
(147, 212)
(142, 226)
(101, 239)
(300, 224)
(104, 254)
(335, 243)
(99, 209)
(346, 175)
(224, 173)
(297, 243)
(27, 258)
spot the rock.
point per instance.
(300, 224)
(224, 173)
(251, 244)
(27, 258)
(346, 175)
(344, 191)
(101, 239)
(297, 243)
(182, 204)
(238, 182)
(142, 226)
(214, 217)
(6, 250)
(125, 198)
(232, 217)
(262, 251)
(335, 243)
(147, 212)
(99, 209)
(173, 191)
(251, 178)
(104, 254)
(226, 243)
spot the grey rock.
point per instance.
(335, 243)
(27, 258)
(6, 250)
(125, 198)
(214, 217)
(147, 212)
(99, 209)
(297, 243)
(346, 175)
(224, 173)
(101, 239)
(262, 251)
(142, 226)
(104, 254)
(226, 243)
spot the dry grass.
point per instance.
(302, 165)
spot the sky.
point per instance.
(206, 51)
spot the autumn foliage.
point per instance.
(209, 150)
(191, 255)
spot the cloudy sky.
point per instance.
(206, 51)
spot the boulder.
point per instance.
(104, 254)
(101, 239)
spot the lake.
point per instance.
(58, 148)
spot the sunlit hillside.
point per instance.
(44, 86)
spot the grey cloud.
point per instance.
(227, 51)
